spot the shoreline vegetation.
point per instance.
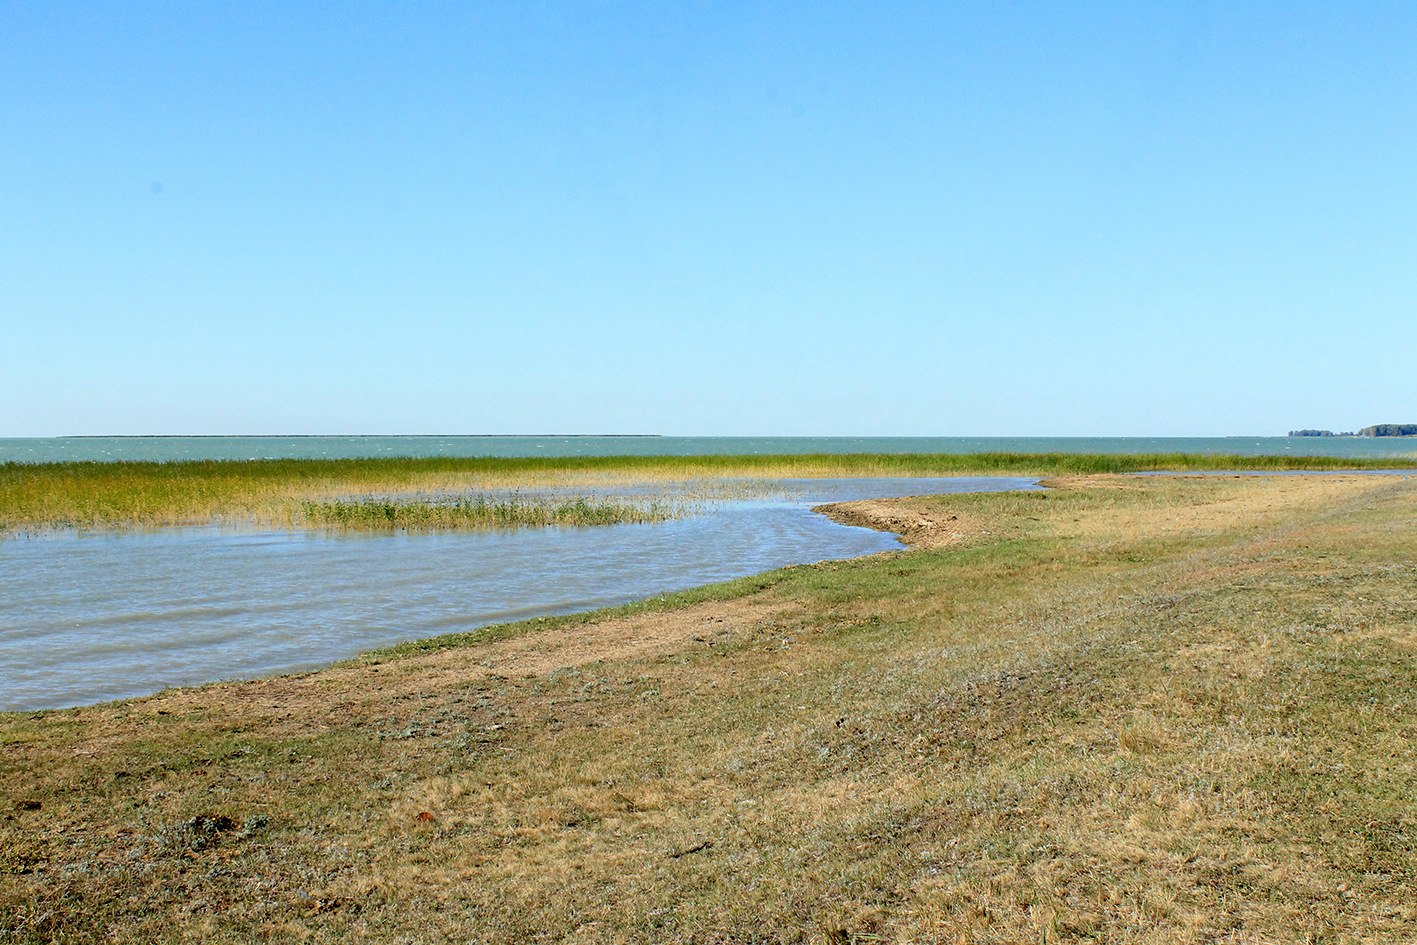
(344, 493)
(1158, 709)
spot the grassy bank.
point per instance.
(116, 495)
(1151, 710)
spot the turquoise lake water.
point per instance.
(168, 448)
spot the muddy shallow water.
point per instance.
(89, 618)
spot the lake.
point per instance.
(165, 448)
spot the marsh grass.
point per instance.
(479, 513)
(272, 492)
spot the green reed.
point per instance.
(478, 513)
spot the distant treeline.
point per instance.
(1377, 429)
(1390, 429)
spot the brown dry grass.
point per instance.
(1141, 711)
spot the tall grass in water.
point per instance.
(477, 513)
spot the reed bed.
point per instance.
(479, 513)
(91, 495)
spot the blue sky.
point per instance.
(826, 218)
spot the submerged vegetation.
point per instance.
(276, 492)
(1148, 710)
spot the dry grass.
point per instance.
(1156, 711)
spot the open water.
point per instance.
(168, 448)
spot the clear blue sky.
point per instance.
(816, 218)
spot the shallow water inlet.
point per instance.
(92, 617)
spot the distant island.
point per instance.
(1377, 429)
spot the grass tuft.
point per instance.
(478, 513)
